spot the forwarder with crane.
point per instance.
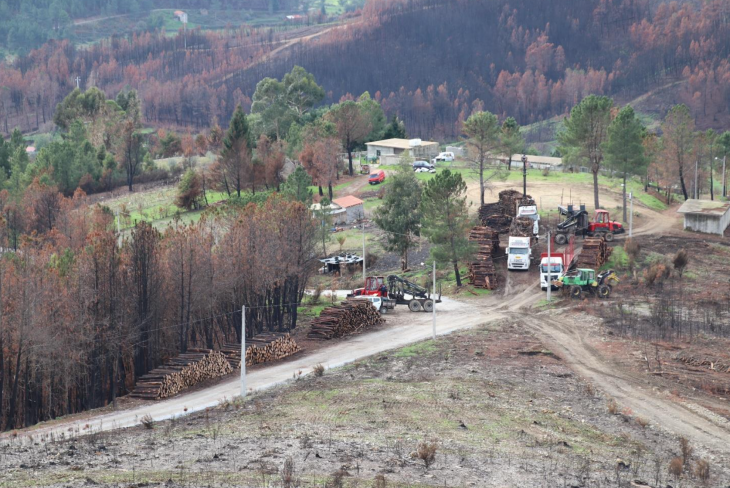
(584, 280)
(577, 222)
(398, 291)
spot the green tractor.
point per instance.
(585, 280)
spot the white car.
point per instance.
(444, 156)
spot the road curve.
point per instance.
(451, 316)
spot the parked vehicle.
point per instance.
(381, 304)
(585, 280)
(444, 156)
(421, 165)
(377, 177)
(577, 222)
(555, 265)
(519, 253)
(531, 212)
(398, 291)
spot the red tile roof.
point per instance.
(348, 201)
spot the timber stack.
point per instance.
(594, 254)
(481, 271)
(509, 199)
(489, 209)
(349, 318)
(521, 227)
(261, 348)
(498, 216)
(181, 372)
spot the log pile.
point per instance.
(714, 364)
(521, 227)
(261, 348)
(481, 271)
(509, 199)
(181, 372)
(594, 254)
(499, 223)
(489, 209)
(349, 318)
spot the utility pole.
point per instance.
(697, 165)
(364, 274)
(724, 186)
(433, 299)
(243, 351)
(631, 214)
(550, 269)
(524, 175)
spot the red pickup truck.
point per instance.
(377, 177)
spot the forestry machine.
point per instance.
(577, 222)
(585, 280)
(396, 290)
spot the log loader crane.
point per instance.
(399, 291)
(577, 222)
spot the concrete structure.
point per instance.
(710, 217)
(537, 162)
(419, 150)
(339, 214)
(353, 206)
(457, 150)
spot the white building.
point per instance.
(537, 162)
(418, 149)
(710, 217)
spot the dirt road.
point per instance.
(631, 391)
(451, 316)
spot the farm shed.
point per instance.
(395, 147)
(353, 206)
(339, 214)
(537, 162)
(710, 217)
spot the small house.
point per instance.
(418, 149)
(353, 206)
(708, 216)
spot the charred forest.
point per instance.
(431, 62)
(85, 311)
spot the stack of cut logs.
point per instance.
(349, 318)
(490, 209)
(521, 227)
(499, 222)
(508, 199)
(481, 271)
(595, 253)
(181, 372)
(262, 348)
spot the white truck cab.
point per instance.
(519, 253)
(551, 268)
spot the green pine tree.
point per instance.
(399, 215)
(297, 186)
(445, 219)
(624, 148)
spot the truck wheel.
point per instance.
(608, 236)
(560, 239)
(604, 291)
(428, 306)
(576, 291)
(414, 306)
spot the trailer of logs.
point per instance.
(521, 227)
(594, 254)
(351, 317)
(261, 348)
(181, 372)
(481, 271)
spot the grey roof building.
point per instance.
(710, 217)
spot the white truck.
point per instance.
(531, 212)
(444, 156)
(555, 264)
(519, 253)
